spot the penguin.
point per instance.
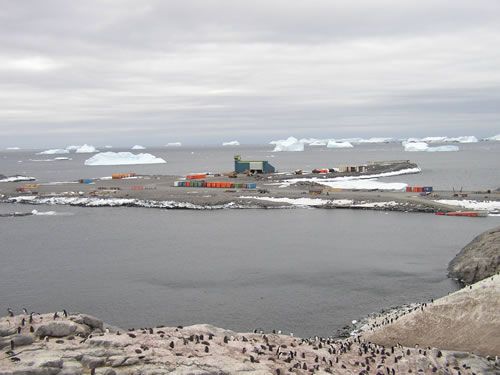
(25, 311)
(56, 315)
(12, 345)
(32, 329)
(23, 322)
(171, 344)
(10, 312)
(65, 313)
(206, 349)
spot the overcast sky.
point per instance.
(152, 72)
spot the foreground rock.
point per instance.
(77, 344)
(479, 259)
(467, 320)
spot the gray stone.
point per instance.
(478, 260)
(92, 362)
(92, 321)
(59, 329)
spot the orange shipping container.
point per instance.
(196, 176)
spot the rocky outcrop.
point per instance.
(205, 349)
(466, 321)
(478, 260)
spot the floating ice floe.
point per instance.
(290, 144)
(17, 179)
(45, 213)
(231, 143)
(138, 147)
(443, 149)
(12, 148)
(123, 158)
(335, 144)
(422, 146)
(174, 144)
(375, 140)
(472, 204)
(108, 146)
(55, 151)
(464, 139)
(86, 149)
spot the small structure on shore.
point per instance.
(252, 166)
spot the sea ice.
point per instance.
(55, 151)
(442, 149)
(289, 144)
(138, 147)
(464, 139)
(335, 144)
(123, 158)
(415, 146)
(231, 143)
(86, 149)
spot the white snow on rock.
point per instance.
(138, 147)
(55, 151)
(123, 158)
(86, 149)
(335, 144)
(231, 143)
(442, 149)
(17, 179)
(293, 201)
(291, 144)
(472, 204)
(174, 144)
(365, 185)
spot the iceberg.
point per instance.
(56, 151)
(442, 149)
(375, 140)
(108, 146)
(174, 144)
(464, 139)
(290, 144)
(434, 139)
(73, 148)
(231, 143)
(12, 148)
(334, 144)
(122, 158)
(138, 147)
(415, 146)
(494, 138)
(86, 149)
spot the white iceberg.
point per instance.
(174, 144)
(335, 144)
(464, 139)
(494, 138)
(55, 151)
(122, 158)
(415, 146)
(434, 139)
(375, 140)
(313, 141)
(86, 149)
(138, 147)
(442, 149)
(231, 143)
(17, 179)
(73, 147)
(108, 146)
(290, 144)
(12, 148)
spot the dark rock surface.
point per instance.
(478, 260)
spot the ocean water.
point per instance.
(307, 271)
(475, 166)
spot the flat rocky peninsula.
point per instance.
(277, 190)
(456, 334)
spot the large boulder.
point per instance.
(61, 329)
(478, 260)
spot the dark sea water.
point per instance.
(309, 271)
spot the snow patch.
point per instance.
(86, 149)
(231, 143)
(364, 185)
(291, 144)
(17, 179)
(122, 158)
(472, 204)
